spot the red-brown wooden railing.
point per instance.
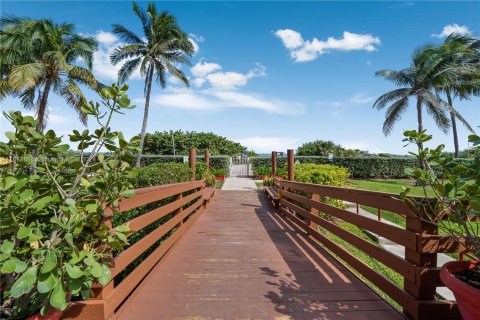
(188, 201)
(301, 206)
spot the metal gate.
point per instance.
(239, 166)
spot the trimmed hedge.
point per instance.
(216, 162)
(360, 168)
(324, 174)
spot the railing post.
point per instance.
(191, 162)
(419, 259)
(291, 165)
(207, 159)
(274, 163)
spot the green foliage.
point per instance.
(262, 171)
(267, 181)
(216, 162)
(456, 188)
(40, 57)
(161, 173)
(324, 174)
(359, 168)
(210, 180)
(321, 148)
(52, 202)
(218, 172)
(179, 142)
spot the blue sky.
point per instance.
(272, 75)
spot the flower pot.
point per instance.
(279, 177)
(54, 315)
(467, 296)
(220, 178)
(260, 177)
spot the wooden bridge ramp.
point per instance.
(240, 260)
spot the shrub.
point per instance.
(218, 172)
(161, 143)
(262, 171)
(321, 174)
(161, 173)
(52, 202)
(210, 180)
(324, 148)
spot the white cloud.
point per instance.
(203, 68)
(102, 67)
(453, 28)
(209, 100)
(335, 108)
(269, 144)
(205, 71)
(195, 40)
(53, 119)
(303, 51)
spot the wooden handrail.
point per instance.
(301, 204)
(192, 194)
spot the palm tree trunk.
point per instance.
(454, 125)
(43, 106)
(420, 127)
(145, 116)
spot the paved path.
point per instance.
(239, 183)
(240, 260)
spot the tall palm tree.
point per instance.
(415, 82)
(40, 56)
(456, 72)
(163, 45)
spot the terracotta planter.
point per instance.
(54, 315)
(467, 296)
(279, 177)
(260, 177)
(220, 178)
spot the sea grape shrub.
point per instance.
(455, 207)
(53, 202)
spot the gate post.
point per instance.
(191, 162)
(291, 165)
(274, 164)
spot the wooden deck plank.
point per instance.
(240, 260)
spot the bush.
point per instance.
(161, 143)
(216, 162)
(161, 173)
(321, 174)
(324, 148)
(359, 168)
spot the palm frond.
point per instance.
(127, 69)
(391, 96)
(394, 113)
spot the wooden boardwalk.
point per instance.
(240, 260)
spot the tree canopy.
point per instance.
(324, 148)
(179, 142)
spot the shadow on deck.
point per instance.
(240, 260)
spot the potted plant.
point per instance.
(54, 244)
(219, 174)
(455, 209)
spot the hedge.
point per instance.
(216, 162)
(360, 168)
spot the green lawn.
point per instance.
(259, 185)
(219, 184)
(392, 186)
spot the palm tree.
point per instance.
(456, 72)
(39, 56)
(164, 45)
(416, 82)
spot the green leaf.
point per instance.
(127, 193)
(69, 238)
(8, 181)
(41, 203)
(75, 285)
(50, 262)
(24, 283)
(23, 232)
(73, 271)
(7, 246)
(58, 298)
(46, 282)
(123, 228)
(70, 202)
(13, 265)
(96, 269)
(105, 275)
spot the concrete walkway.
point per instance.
(239, 183)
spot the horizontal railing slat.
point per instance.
(143, 197)
(150, 217)
(395, 292)
(380, 254)
(382, 200)
(133, 252)
(120, 292)
(393, 233)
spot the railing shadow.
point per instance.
(312, 285)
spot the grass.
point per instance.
(259, 185)
(392, 186)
